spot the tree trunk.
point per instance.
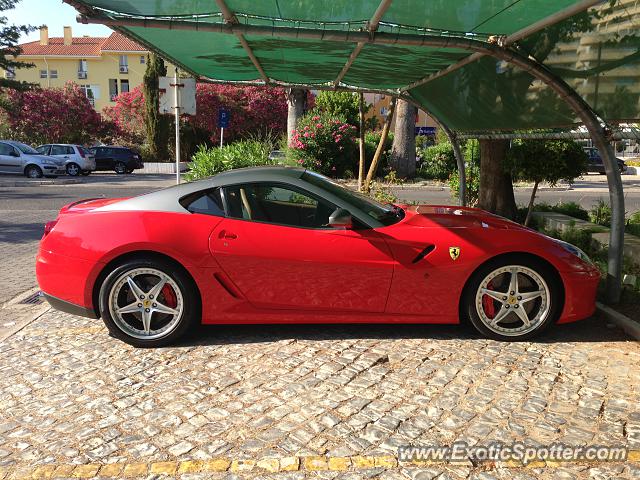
(383, 139)
(403, 151)
(156, 125)
(296, 98)
(496, 186)
(361, 142)
(531, 202)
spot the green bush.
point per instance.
(208, 161)
(471, 152)
(567, 208)
(325, 143)
(371, 140)
(439, 162)
(600, 214)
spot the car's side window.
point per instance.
(69, 151)
(277, 204)
(208, 202)
(43, 149)
(5, 149)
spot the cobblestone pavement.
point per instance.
(318, 401)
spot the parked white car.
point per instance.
(16, 157)
(75, 158)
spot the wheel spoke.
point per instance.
(155, 290)
(131, 308)
(513, 283)
(502, 313)
(528, 296)
(499, 296)
(135, 289)
(523, 316)
(161, 308)
(146, 320)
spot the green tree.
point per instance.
(156, 126)
(545, 161)
(9, 48)
(345, 105)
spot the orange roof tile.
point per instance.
(82, 46)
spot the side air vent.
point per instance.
(424, 253)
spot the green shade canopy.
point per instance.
(317, 44)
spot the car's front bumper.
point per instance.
(580, 289)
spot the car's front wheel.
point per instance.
(120, 168)
(148, 303)
(512, 299)
(33, 171)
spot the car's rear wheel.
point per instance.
(73, 169)
(130, 170)
(120, 168)
(148, 303)
(511, 299)
(33, 171)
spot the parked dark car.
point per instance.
(595, 161)
(119, 159)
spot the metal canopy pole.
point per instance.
(371, 28)
(563, 90)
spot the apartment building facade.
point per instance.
(102, 66)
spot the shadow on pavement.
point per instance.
(20, 232)
(593, 330)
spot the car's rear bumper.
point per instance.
(580, 294)
(68, 280)
(69, 307)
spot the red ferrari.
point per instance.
(287, 245)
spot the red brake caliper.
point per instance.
(487, 303)
(169, 296)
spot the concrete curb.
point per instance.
(39, 183)
(624, 322)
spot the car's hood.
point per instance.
(430, 216)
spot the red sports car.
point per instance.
(287, 245)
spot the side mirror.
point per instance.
(340, 218)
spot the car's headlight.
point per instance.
(574, 250)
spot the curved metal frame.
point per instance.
(583, 110)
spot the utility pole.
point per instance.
(176, 106)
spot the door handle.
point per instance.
(227, 235)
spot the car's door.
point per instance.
(276, 247)
(62, 154)
(10, 161)
(101, 160)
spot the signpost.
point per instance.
(182, 101)
(224, 116)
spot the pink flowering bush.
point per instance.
(128, 115)
(45, 115)
(324, 143)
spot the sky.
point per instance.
(55, 15)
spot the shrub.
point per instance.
(371, 140)
(325, 143)
(439, 162)
(245, 153)
(600, 214)
(567, 208)
(472, 170)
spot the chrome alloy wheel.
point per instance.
(145, 303)
(513, 300)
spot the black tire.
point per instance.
(73, 169)
(33, 171)
(555, 300)
(130, 170)
(120, 168)
(191, 312)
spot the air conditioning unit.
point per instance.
(82, 75)
(9, 74)
(124, 69)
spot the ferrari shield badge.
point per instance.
(454, 252)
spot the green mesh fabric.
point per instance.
(597, 52)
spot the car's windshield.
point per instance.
(385, 214)
(25, 148)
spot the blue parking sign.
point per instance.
(223, 118)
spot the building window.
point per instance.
(53, 73)
(82, 69)
(113, 89)
(124, 86)
(44, 74)
(143, 59)
(10, 73)
(124, 64)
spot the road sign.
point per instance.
(187, 88)
(224, 116)
(425, 131)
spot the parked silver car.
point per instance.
(75, 158)
(16, 157)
